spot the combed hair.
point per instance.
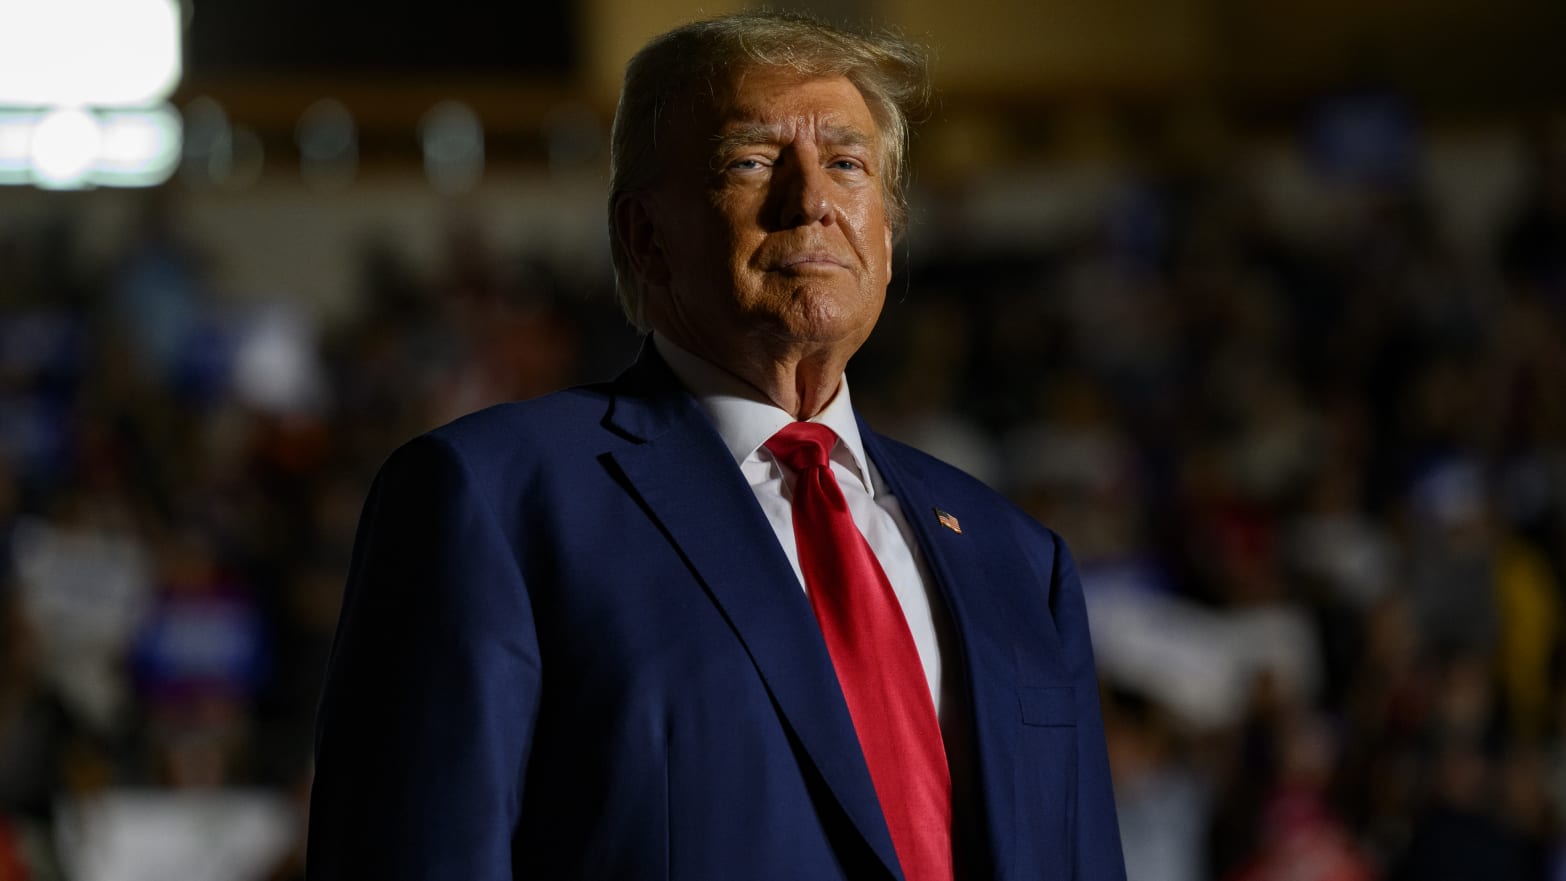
(701, 57)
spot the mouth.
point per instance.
(811, 260)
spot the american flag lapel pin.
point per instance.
(948, 521)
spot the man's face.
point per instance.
(770, 220)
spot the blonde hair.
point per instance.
(890, 73)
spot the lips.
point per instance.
(807, 259)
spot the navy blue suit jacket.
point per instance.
(572, 648)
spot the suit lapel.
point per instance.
(687, 480)
(980, 628)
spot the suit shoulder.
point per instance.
(512, 439)
(553, 421)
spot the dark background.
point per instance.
(1261, 305)
(397, 36)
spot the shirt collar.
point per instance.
(745, 419)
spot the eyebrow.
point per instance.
(768, 133)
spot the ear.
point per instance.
(636, 228)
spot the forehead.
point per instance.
(786, 98)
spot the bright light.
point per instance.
(104, 53)
(16, 147)
(140, 149)
(83, 85)
(65, 146)
(72, 148)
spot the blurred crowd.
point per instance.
(1316, 485)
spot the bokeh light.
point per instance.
(328, 142)
(452, 138)
(106, 53)
(65, 147)
(83, 85)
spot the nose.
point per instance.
(805, 194)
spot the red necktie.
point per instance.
(874, 654)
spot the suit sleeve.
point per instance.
(1098, 854)
(432, 688)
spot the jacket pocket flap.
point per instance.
(1055, 705)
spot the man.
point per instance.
(700, 622)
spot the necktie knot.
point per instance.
(803, 445)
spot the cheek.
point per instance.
(888, 246)
(726, 232)
(874, 237)
(868, 219)
(703, 248)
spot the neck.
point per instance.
(800, 387)
(800, 380)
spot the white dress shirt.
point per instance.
(745, 420)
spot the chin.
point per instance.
(811, 309)
(826, 321)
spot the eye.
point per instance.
(749, 163)
(846, 163)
